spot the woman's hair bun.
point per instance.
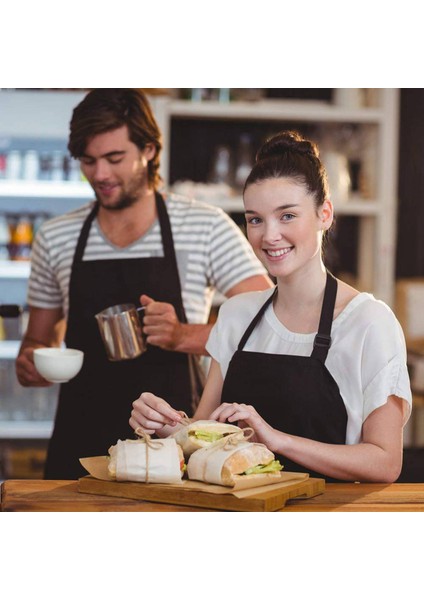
(287, 141)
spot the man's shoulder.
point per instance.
(68, 220)
(184, 205)
(246, 303)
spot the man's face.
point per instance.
(116, 168)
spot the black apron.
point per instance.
(294, 394)
(94, 407)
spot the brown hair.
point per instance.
(107, 109)
(289, 154)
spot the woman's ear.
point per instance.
(326, 214)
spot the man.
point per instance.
(131, 245)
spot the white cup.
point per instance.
(58, 365)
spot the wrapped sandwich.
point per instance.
(147, 460)
(223, 462)
(201, 434)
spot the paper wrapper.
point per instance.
(97, 467)
(134, 460)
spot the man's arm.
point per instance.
(45, 328)
(163, 329)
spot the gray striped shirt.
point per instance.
(212, 254)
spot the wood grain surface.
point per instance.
(56, 496)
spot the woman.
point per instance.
(315, 367)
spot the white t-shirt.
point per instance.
(212, 254)
(367, 357)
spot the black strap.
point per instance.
(256, 319)
(322, 341)
(169, 251)
(83, 237)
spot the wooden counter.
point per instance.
(63, 496)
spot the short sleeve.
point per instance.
(384, 365)
(392, 380)
(43, 287)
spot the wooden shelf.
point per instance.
(278, 110)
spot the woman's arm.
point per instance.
(377, 458)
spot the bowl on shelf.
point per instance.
(58, 365)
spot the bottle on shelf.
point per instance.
(244, 162)
(74, 170)
(14, 165)
(22, 238)
(31, 165)
(3, 160)
(45, 166)
(222, 168)
(57, 166)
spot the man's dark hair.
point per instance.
(107, 109)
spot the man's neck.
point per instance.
(124, 227)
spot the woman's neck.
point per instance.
(299, 300)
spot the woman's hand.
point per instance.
(153, 414)
(247, 416)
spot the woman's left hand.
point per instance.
(247, 416)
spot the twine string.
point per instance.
(236, 438)
(143, 436)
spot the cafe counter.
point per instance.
(63, 496)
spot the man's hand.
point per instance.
(26, 372)
(161, 325)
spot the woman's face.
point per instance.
(283, 225)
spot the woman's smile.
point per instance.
(278, 253)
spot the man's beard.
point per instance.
(124, 201)
(130, 195)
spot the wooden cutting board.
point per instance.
(271, 499)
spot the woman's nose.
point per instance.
(272, 232)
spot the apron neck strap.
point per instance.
(85, 230)
(256, 319)
(322, 341)
(169, 250)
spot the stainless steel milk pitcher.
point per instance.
(121, 331)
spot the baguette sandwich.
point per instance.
(147, 460)
(222, 465)
(201, 434)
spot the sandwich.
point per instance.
(223, 463)
(146, 460)
(201, 434)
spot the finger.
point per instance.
(156, 409)
(145, 300)
(135, 425)
(226, 413)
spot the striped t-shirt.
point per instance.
(212, 254)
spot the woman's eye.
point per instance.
(253, 220)
(287, 217)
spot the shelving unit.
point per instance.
(377, 215)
